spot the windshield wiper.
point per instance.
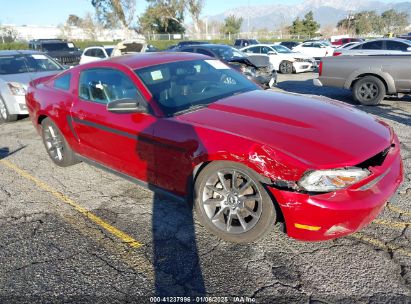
(190, 109)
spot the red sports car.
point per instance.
(190, 126)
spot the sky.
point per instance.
(54, 12)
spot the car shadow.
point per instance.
(5, 151)
(175, 254)
(386, 109)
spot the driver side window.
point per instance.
(104, 85)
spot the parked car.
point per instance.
(62, 50)
(314, 49)
(240, 43)
(343, 41)
(345, 46)
(17, 69)
(94, 53)
(289, 44)
(370, 78)
(248, 157)
(391, 46)
(130, 46)
(256, 68)
(178, 46)
(282, 58)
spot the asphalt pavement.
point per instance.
(81, 235)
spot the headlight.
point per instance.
(299, 59)
(331, 180)
(248, 71)
(17, 88)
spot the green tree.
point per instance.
(232, 25)
(297, 28)
(394, 22)
(112, 13)
(163, 16)
(310, 25)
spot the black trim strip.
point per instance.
(134, 180)
(70, 124)
(141, 138)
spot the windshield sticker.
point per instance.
(156, 75)
(38, 56)
(70, 45)
(217, 64)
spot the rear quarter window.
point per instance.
(63, 82)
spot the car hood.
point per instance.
(25, 78)
(321, 134)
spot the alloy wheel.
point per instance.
(54, 142)
(368, 91)
(232, 201)
(3, 110)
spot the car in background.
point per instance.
(176, 47)
(94, 53)
(282, 58)
(189, 126)
(314, 49)
(240, 43)
(62, 50)
(342, 41)
(289, 44)
(256, 68)
(17, 69)
(389, 46)
(347, 45)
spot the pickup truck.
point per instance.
(370, 78)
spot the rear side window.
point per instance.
(104, 85)
(397, 46)
(372, 45)
(205, 52)
(89, 52)
(63, 82)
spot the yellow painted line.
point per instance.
(307, 227)
(398, 210)
(391, 224)
(380, 244)
(124, 237)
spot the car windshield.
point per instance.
(58, 46)
(227, 53)
(17, 64)
(281, 49)
(185, 86)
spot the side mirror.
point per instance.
(271, 53)
(126, 105)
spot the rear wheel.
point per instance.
(286, 67)
(5, 116)
(231, 202)
(56, 145)
(369, 91)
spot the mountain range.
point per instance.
(326, 12)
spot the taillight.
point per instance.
(337, 53)
(320, 68)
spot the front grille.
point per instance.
(69, 60)
(377, 160)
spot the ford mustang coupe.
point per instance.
(189, 126)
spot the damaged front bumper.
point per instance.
(316, 217)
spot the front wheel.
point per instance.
(286, 67)
(369, 91)
(4, 113)
(232, 203)
(56, 145)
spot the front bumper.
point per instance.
(303, 66)
(15, 104)
(331, 215)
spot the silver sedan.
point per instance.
(17, 69)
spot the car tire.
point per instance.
(56, 145)
(5, 115)
(369, 91)
(286, 67)
(239, 212)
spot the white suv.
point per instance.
(95, 53)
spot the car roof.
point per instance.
(19, 52)
(388, 39)
(141, 60)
